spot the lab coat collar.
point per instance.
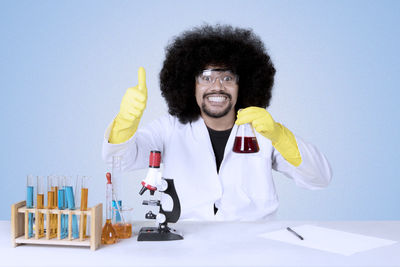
(202, 136)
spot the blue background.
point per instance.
(65, 65)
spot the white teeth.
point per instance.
(216, 98)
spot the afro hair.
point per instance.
(221, 45)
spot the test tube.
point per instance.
(51, 204)
(61, 206)
(84, 203)
(69, 193)
(54, 187)
(117, 187)
(77, 184)
(30, 185)
(40, 205)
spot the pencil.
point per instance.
(293, 232)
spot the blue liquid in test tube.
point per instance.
(116, 209)
(29, 204)
(71, 205)
(64, 217)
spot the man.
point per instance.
(214, 79)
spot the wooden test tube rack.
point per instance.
(19, 226)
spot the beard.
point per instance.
(216, 114)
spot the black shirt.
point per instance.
(218, 141)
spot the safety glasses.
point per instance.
(225, 76)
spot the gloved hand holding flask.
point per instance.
(282, 138)
(131, 110)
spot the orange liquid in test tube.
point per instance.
(84, 204)
(40, 205)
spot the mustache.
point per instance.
(219, 93)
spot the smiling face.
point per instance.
(217, 92)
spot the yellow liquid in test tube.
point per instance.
(40, 205)
(55, 190)
(55, 205)
(84, 204)
(53, 220)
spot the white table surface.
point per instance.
(210, 244)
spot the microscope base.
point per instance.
(156, 234)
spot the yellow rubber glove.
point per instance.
(131, 109)
(282, 139)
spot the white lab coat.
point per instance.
(242, 190)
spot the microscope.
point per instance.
(153, 182)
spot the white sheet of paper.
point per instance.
(328, 239)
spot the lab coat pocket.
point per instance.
(257, 180)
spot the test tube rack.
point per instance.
(19, 226)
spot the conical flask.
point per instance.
(108, 234)
(245, 140)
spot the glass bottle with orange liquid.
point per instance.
(108, 234)
(40, 205)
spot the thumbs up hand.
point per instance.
(131, 110)
(134, 101)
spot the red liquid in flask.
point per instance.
(245, 145)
